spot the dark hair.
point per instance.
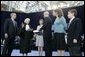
(73, 11)
(59, 12)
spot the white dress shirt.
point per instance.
(27, 27)
(70, 21)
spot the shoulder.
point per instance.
(62, 17)
(77, 19)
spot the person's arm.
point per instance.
(6, 28)
(78, 29)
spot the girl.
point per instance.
(39, 38)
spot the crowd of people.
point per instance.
(48, 34)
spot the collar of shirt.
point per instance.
(12, 19)
(71, 19)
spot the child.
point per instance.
(39, 38)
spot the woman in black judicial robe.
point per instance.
(26, 35)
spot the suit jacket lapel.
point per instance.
(71, 23)
(13, 23)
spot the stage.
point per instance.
(34, 52)
(16, 52)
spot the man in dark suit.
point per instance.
(10, 31)
(73, 33)
(47, 23)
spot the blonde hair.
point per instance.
(59, 12)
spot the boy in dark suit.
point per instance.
(73, 33)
